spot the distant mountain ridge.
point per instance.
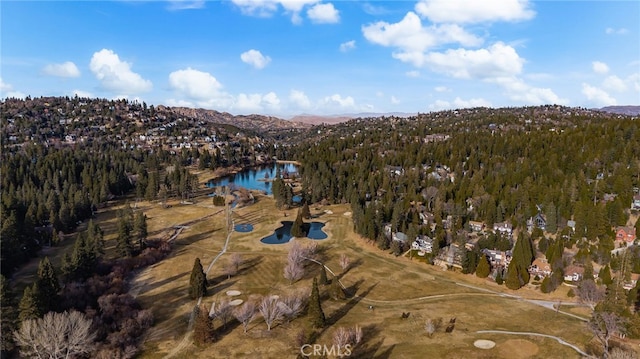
(253, 122)
(334, 119)
(622, 110)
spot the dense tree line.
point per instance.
(488, 165)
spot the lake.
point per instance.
(253, 178)
(282, 234)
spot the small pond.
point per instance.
(282, 234)
(243, 227)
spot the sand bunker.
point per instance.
(233, 293)
(484, 344)
(235, 302)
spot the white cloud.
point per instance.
(299, 99)
(412, 73)
(498, 60)
(6, 91)
(256, 102)
(412, 39)
(634, 80)
(186, 4)
(599, 67)
(442, 89)
(65, 69)
(81, 93)
(458, 103)
(116, 75)
(323, 14)
(178, 103)
(337, 100)
(519, 91)
(597, 95)
(349, 45)
(255, 59)
(195, 85)
(394, 100)
(266, 8)
(465, 11)
(614, 83)
(612, 31)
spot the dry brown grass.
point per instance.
(392, 285)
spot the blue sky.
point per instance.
(288, 57)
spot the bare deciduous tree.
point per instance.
(432, 326)
(271, 310)
(604, 325)
(245, 314)
(296, 253)
(347, 336)
(345, 262)
(293, 304)
(236, 261)
(57, 335)
(293, 271)
(618, 353)
(590, 293)
(221, 310)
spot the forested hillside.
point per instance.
(480, 164)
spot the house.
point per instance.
(497, 258)
(503, 227)
(540, 267)
(635, 204)
(476, 226)
(631, 283)
(537, 221)
(571, 224)
(400, 237)
(426, 217)
(573, 273)
(423, 243)
(626, 234)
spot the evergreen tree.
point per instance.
(605, 275)
(29, 306)
(484, 268)
(337, 293)
(499, 279)
(9, 316)
(316, 315)
(552, 218)
(306, 212)
(48, 284)
(198, 281)
(513, 278)
(323, 276)
(203, 330)
(123, 245)
(297, 229)
(141, 229)
(469, 261)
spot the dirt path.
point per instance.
(559, 340)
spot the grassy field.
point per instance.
(392, 285)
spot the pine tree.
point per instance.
(316, 315)
(297, 229)
(30, 307)
(605, 275)
(513, 278)
(48, 284)
(337, 293)
(198, 281)
(484, 268)
(203, 330)
(499, 279)
(306, 212)
(123, 245)
(141, 229)
(9, 315)
(323, 275)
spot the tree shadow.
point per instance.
(341, 312)
(355, 264)
(223, 330)
(219, 288)
(160, 283)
